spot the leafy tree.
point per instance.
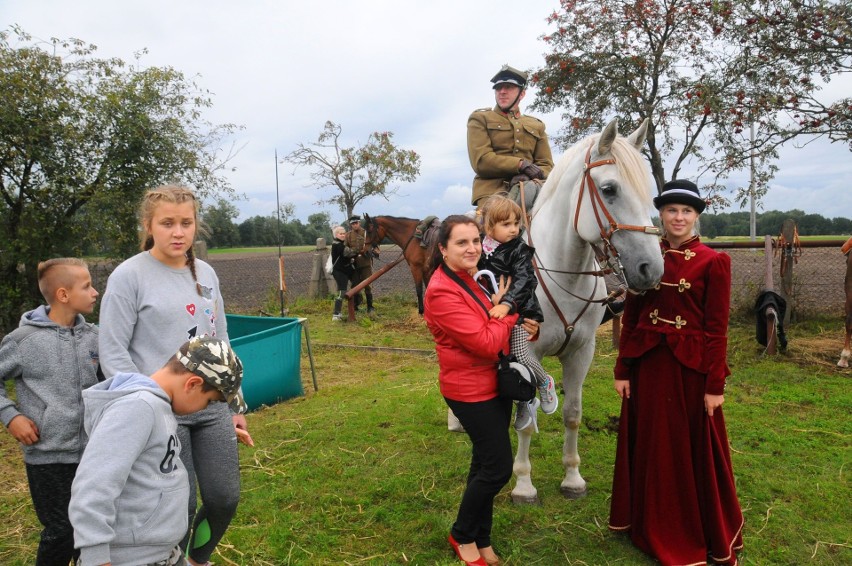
(320, 221)
(701, 72)
(769, 222)
(219, 224)
(841, 226)
(80, 140)
(355, 172)
(259, 231)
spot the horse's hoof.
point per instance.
(525, 499)
(573, 493)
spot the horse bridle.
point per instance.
(607, 254)
(371, 222)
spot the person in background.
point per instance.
(341, 269)
(128, 500)
(356, 240)
(505, 147)
(154, 302)
(52, 356)
(468, 342)
(673, 486)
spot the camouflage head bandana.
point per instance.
(217, 364)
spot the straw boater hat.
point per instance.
(680, 191)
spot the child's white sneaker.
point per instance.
(549, 398)
(527, 414)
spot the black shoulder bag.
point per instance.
(514, 380)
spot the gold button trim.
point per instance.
(655, 317)
(681, 285)
(687, 253)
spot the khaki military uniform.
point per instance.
(356, 241)
(496, 144)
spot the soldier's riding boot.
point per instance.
(370, 308)
(530, 193)
(337, 317)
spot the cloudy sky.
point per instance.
(416, 68)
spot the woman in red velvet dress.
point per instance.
(673, 487)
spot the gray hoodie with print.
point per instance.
(131, 491)
(51, 364)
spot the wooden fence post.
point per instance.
(788, 232)
(318, 287)
(769, 285)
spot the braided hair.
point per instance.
(172, 194)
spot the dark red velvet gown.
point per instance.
(673, 487)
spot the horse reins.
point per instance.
(608, 255)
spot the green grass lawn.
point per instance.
(364, 471)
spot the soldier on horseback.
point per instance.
(505, 147)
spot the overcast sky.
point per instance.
(412, 67)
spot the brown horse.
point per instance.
(847, 346)
(401, 232)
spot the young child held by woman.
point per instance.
(505, 254)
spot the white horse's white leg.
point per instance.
(844, 358)
(453, 423)
(525, 491)
(574, 368)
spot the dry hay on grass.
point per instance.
(822, 350)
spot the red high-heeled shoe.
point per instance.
(478, 562)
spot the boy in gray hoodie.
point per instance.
(129, 497)
(52, 356)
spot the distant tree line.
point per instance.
(221, 230)
(737, 224)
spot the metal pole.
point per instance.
(752, 228)
(304, 323)
(278, 237)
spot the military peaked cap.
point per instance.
(511, 75)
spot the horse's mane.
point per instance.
(630, 164)
(396, 217)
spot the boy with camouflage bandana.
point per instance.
(129, 498)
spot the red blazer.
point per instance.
(688, 311)
(467, 340)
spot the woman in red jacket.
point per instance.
(468, 342)
(673, 487)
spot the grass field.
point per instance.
(363, 471)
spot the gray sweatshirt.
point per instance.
(149, 309)
(51, 365)
(130, 493)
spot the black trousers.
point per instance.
(487, 425)
(50, 489)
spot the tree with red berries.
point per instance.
(702, 73)
(356, 172)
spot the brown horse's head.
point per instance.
(374, 232)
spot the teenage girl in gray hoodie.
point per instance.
(153, 302)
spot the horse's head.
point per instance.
(603, 187)
(373, 232)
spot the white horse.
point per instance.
(591, 216)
